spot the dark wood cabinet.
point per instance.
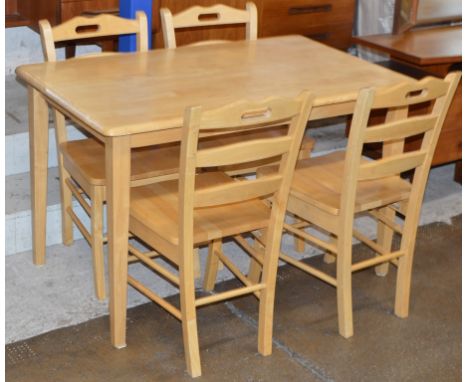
(328, 21)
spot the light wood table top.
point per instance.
(132, 93)
(428, 46)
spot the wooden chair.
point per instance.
(81, 162)
(199, 17)
(328, 191)
(81, 27)
(175, 216)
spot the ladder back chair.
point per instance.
(328, 191)
(199, 17)
(201, 207)
(81, 162)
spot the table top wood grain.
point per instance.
(426, 46)
(134, 93)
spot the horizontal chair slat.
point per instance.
(235, 192)
(226, 15)
(410, 93)
(107, 25)
(393, 165)
(243, 152)
(247, 114)
(400, 129)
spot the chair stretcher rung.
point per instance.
(154, 266)
(398, 210)
(384, 219)
(248, 248)
(153, 296)
(301, 224)
(80, 225)
(376, 260)
(78, 196)
(308, 269)
(372, 244)
(229, 294)
(306, 236)
(236, 272)
(132, 258)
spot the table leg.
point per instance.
(118, 204)
(38, 153)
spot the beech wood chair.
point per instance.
(201, 207)
(199, 17)
(81, 162)
(328, 191)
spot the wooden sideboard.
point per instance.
(328, 21)
(430, 51)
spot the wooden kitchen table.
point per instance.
(138, 99)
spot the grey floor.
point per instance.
(426, 346)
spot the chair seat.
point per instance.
(87, 157)
(318, 181)
(154, 208)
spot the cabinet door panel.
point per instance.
(70, 8)
(329, 21)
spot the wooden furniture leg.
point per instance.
(458, 172)
(329, 257)
(384, 239)
(299, 244)
(65, 193)
(344, 287)
(189, 317)
(212, 264)
(97, 242)
(255, 269)
(118, 204)
(38, 152)
(196, 263)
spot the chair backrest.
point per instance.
(81, 27)
(232, 119)
(398, 126)
(197, 16)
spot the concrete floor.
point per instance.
(424, 347)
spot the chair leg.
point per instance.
(196, 263)
(299, 243)
(267, 302)
(328, 257)
(384, 238)
(403, 288)
(66, 199)
(189, 321)
(212, 265)
(344, 287)
(255, 269)
(65, 193)
(97, 242)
